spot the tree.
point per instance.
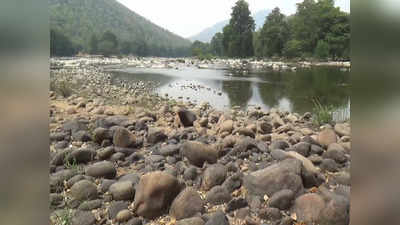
(238, 34)
(94, 44)
(293, 48)
(108, 44)
(274, 34)
(217, 46)
(61, 45)
(322, 50)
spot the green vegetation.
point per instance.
(317, 29)
(86, 23)
(64, 217)
(60, 45)
(321, 114)
(238, 34)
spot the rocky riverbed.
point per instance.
(122, 155)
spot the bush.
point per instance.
(322, 114)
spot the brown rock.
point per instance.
(308, 208)
(326, 137)
(197, 153)
(187, 204)
(123, 138)
(154, 193)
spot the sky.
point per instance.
(189, 17)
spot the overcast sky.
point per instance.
(189, 17)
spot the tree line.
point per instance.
(108, 44)
(318, 29)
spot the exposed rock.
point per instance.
(186, 117)
(335, 152)
(342, 129)
(214, 175)
(90, 205)
(282, 199)
(235, 204)
(197, 153)
(191, 221)
(326, 137)
(154, 193)
(123, 216)
(100, 134)
(80, 156)
(218, 218)
(102, 169)
(122, 190)
(264, 127)
(279, 144)
(84, 190)
(308, 208)
(115, 208)
(155, 135)
(226, 126)
(169, 150)
(187, 204)
(190, 173)
(272, 214)
(329, 165)
(218, 195)
(302, 148)
(83, 218)
(123, 138)
(283, 175)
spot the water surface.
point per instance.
(222, 88)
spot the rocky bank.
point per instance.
(121, 155)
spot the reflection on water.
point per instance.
(290, 91)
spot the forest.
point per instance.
(318, 29)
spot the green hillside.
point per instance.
(80, 19)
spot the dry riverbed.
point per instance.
(121, 155)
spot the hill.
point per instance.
(207, 34)
(80, 19)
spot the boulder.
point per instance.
(283, 175)
(123, 138)
(281, 199)
(218, 218)
(226, 126)
(326, 137)
(264, 127)
(197, 153)
(187, 204)
(186, 117)
(155, 135)
(302, 148)
(84, 190)
(122, 190)
(214, 175)
(308, 208)
(154, 194)
(342, 129)
(218, 195)
(102, 169)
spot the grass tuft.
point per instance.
(322, 114)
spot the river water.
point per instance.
(293, 91)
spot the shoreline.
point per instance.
(109, 144)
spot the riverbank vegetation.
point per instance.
(318, 29)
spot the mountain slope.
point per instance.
(79, 19)
(207, 34)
